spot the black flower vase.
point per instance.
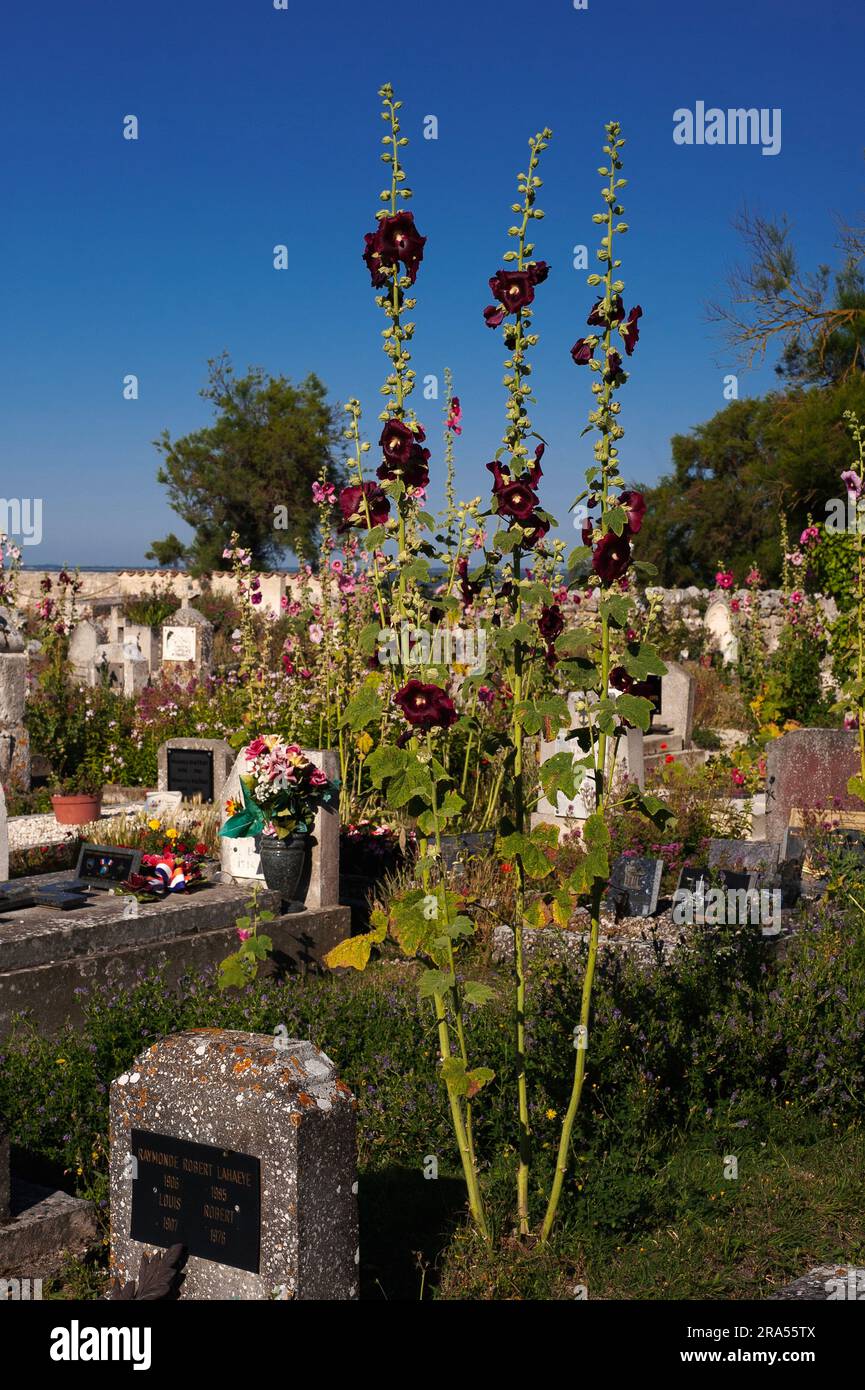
(283, 862)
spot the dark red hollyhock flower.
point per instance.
(351, 502)
(373, 258)
(588, 528)
(399, 439)
(599, 318)
(620, 680)
(515, 497)
(581, 352)
(614, 364)
(426, 706)
(514, 289)
(468, 590)
(635, 503)
(551, 623)
(612, 556)
(414, 472)
(399, 240)
(630, 332)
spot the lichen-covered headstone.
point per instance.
(240, 1147)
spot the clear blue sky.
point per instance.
(260, 126)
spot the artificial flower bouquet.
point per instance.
(282, 790)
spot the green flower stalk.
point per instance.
(855, 690)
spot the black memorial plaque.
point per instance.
(635, 883)
(197, 1195)
(104, 866)
(190, 771)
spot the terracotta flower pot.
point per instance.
(77, 809)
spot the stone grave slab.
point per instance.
(808, 770)
(241, 1147)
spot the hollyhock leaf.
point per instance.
(369, 639)
(636, 710)
(537, 592)
(528, 717)
(534, 861)
(413, 781)
(437, 982)
(578, 555)
(461, 926)
(614, 520)
(616, 608)
(561, 907)
(605, 716)
(417, 569)
(554, 708)
(595, 862)
(366, 707)
(355, 950)
(644, 567)
(557, 775)
(640, 660)
(453, 1072)
(374, 538)
(506, 541)
(576, 641)
(476, 993)
(522, 632)
(452, 804)
(856, 787)
(384, 762)
(477, 1078)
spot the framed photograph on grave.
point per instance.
(104, 866)
(190, 772)
(179, 643)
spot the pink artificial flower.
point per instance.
(256, 748)
(317, 778)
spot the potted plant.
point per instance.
(78, 799)
(282, 790)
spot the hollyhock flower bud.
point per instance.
(600, 318)
(612, 557)
(426, 706)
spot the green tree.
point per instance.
(733, 476)
(252, 470)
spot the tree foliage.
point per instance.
(733, 476)
(252, 470)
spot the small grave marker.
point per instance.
(635, 883)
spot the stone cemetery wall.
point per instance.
(240, 1147)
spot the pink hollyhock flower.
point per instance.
(738, 777)
(734, 605)
(316, 633)
(486, 696)
(753, 577)
(796, 597)
(323, 493)
(724, 579)
(809, 536)
(851, 721)
(455, 415)
(243, 933)
(853, 484)
(796, 558)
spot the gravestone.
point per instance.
(678, 690)
(14, 738)
(702, 885)
(83, 643)
(745, 856)
(241, 860)
(808, 769)
(629, 764)
(4, 837)
(635, 883)
(195, 767)
(187, 643)
(240, 1147)
(719, 624)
